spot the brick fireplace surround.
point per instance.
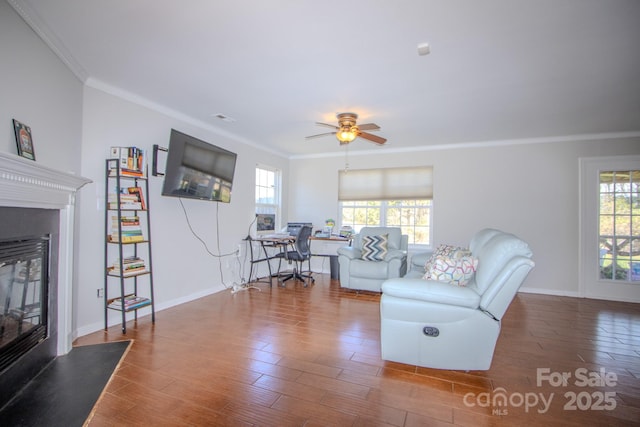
(27, 184)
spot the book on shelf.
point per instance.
(130, 266)
(126, 239)
(131, 198)
(131, 261)
(125, 206)
(114, 271)
(126, 220)
(130, 222)
(131, 302)
(127, 202)
(139, 197)
(128, 229)
(132, 161)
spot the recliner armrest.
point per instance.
(431, 291)
(350, 252)
(395, 254)
(419, 259)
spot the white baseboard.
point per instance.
(94, 327)
(573, 294)
(553, 292)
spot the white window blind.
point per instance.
(386, 184)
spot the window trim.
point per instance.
(277, 206)
(589, 283)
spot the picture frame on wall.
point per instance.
(24, 140)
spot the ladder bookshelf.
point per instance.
(128, 268)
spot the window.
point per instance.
(412, 216)
(268, 192)
(619, 225)
(393, 197)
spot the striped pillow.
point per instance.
(374, 248)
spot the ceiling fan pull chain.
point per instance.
(346, 158)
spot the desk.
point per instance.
(266, 242)
(328, 247)
(323, 247)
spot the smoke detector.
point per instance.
(423, 49)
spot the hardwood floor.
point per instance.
(299, 356)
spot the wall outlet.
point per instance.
(100, 293)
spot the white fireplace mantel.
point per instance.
(27, 184)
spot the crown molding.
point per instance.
(33, 20)
(162, 109)
(478, 144)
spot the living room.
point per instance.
(527, 186)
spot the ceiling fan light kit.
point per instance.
(347, 134)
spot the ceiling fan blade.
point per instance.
(369, 126)
(319, 135)
(372, 138)
(327, 125)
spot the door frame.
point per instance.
(589, 282)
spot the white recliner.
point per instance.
(439, 325)
(361, 274)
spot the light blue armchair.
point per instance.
(367, 263)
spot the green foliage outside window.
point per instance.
(412, 216)
(619, 225)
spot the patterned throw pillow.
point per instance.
(446, 251)
(374, 248)
(454, 270)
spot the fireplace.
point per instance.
(37, 206)
(24, 292)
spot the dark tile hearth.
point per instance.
(64, 393)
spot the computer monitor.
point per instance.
(265, 223)
(293, 228)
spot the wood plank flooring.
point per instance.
(299, 356)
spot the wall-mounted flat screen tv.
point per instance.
(198, 170)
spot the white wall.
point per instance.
(183, 270)
(530, 190)
(40, 91)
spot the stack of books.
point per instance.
(130, 266)
(132, 161)
(131, 302)
(130, 229)
(131, 199)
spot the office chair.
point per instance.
(301, 254)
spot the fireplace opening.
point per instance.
(24, 273)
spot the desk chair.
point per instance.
(301, 254)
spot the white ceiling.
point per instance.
(498, 69)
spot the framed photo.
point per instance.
(24, 140)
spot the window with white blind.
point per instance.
(390, 197)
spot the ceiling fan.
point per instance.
(347, 130)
